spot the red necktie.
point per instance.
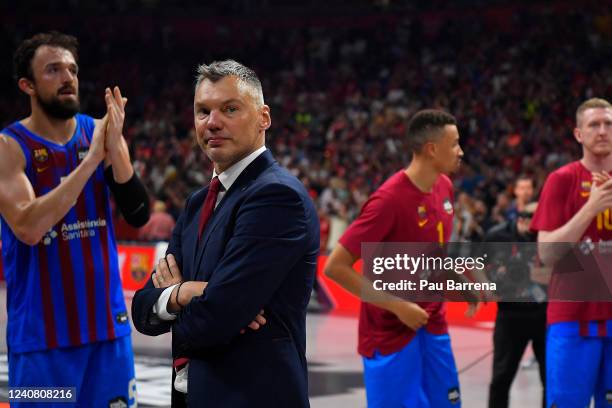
(207, 209)
(179, 363)
(209, 204)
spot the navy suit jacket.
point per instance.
(258, 251)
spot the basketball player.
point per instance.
(406, 350)
(67, 321)
(573, 208)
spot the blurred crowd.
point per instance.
(341, 91)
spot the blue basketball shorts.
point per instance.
(421, 375)
(102, 373)
(578, 368)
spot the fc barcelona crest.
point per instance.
(422, 211)
(448, 206)
(82, 152)
(585, 189)
(41, 155)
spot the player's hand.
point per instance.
(484, 296)
(167, 273)
(259, 321)
(411, 314)
(540, 274)
(474, 300)
(96, 148)
(600, 197)
(600, 177)
(115, 109)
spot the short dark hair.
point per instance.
(525, 176)
(22, 59)
(221, 69)
(425, 126)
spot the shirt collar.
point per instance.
(229, 176)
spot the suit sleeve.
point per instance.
(271, 235)
(144, 299)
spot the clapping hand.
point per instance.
(600, 197)
(97, 150)
(600, 177)
(115, 110)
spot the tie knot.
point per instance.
(215, 185)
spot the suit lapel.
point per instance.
(191, 245)
(250, 173)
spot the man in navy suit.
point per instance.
(243, 253)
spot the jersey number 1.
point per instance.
(440, 228)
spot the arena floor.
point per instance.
(335, 369)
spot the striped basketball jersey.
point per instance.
(66, 290)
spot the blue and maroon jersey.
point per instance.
(66, 290)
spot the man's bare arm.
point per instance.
(30, 217)
(599, 200)
(339, 267)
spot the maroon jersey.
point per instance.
(566, 190)
(399, 212)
